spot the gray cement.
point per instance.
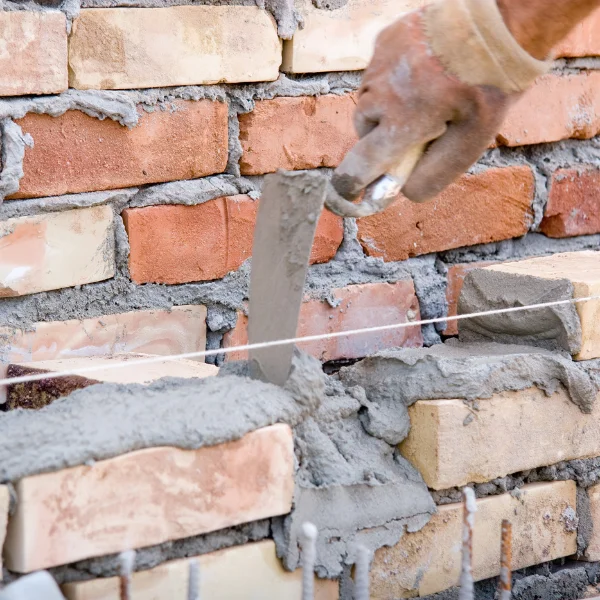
(554, 328)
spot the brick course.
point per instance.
(76, 153)
(178, 244)
(490, 206)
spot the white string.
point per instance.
(296, 340)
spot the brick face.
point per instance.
(56, 250)
(297, 133)
(555, 108)
(149, 497)
(183, 329)
(359, 306)
(178, 244)
(122, 48)
(77, 153)
(34, 53)
(572, 207)
(584, 40)
(491, 206)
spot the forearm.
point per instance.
(538, 25)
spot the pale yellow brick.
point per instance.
(121, 48)
(342, 39)
(593, 550)
(149, 497)
(248, 572)
(512, 431)
(4, 507)
(428, 561)
(33, 59)
(56, 250)
(177, 331)
(582, 269)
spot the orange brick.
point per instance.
(456, 278)
(491, 206)
(360, 306)
(178, 244)
(77, 153)
(572, 207)
(149, 497)
(297, 133)
(584, 40)
(180, 330)
(555, 108)
(34, 53)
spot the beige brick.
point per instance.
(582, 269)
(4, 506)
(341, 39)
(33, 59)
(525, 430)
(56, 250)
(428, 561)
(149, 497)
(180, 330)
(121, 48)
(37, 394)
(593, 550)
(258, 576)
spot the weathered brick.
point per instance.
(572, 207)
(531, 281)
(515, 424)
(180, 330)
(148, 497)
(258, 575)
(297, 133)
(456, 278)
(593, 550)
(34, 53)
(56, 250)
(584, 40)
(178, 244)
(37, 394)
(429, 561)
(357, 306)
(493, 205)
(122, 48)
(555, 108)
(77, 153)
(4, 507)
(340, 39)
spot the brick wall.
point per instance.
(134, 141)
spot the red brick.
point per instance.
(572, 207)
(77, 153)
(491, 206)
(360, 306)
(297, 133)
(179, 244)
(584, 40)
(555, 108)
(456, 278)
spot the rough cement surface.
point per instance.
(553, 327)
(585, 526)
(395, 379)
(14, 142)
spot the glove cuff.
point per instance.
(473, 43)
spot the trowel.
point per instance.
(290, 207)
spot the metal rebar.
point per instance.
(309, 557)
(194, 580)
(467, 588)
(126, 560)
(505, 581)
(361, 573)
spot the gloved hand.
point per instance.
(444, 76)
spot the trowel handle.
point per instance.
(379, 194)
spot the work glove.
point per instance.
(431, 101)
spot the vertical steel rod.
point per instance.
(467, 588)
(309, 557)
(126, 560)
(194, 580)
(361, 573)
(505, 581)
